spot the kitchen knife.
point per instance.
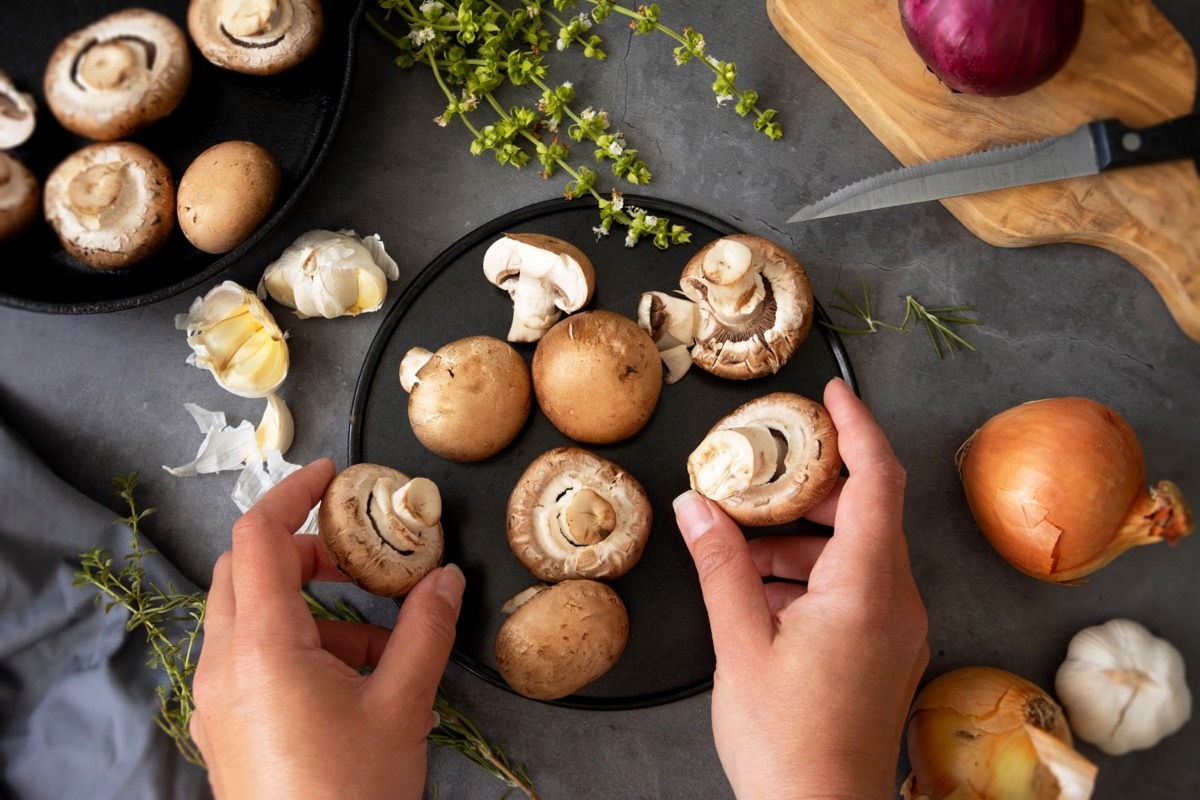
(1090, 149)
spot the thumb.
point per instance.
(416, 653)
(733, 590)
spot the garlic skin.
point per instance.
(234, 336)
(328, 274)
(1123, 688)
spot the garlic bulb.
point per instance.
(327, 274)
(234, 336)
(1123, 688)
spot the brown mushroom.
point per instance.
(18, 197)
(18, 114)
(558, 639)
(574, 514)
(770, 461)
(382, 528)
(468, 400)
(753, 309)
(111, 204)
(118, 75)
(257, 37)
(597, 377)
(225, 194)
(543, 275)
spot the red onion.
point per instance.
(993, 47)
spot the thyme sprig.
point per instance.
(172, 623)
(476, 47)
(937, 321)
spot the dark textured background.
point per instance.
(98, 395)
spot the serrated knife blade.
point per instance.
(1088, 150)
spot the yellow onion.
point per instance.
(1059, 488)
(980, 733)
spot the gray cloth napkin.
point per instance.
(77, 700)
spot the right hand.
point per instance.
(815, 674)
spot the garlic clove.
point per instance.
(234, 336)
(224, 447)
(330, 274)
(276, 429)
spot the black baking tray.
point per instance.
(294, 115)
(669, 655)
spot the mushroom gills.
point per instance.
(735, 290)
(732, 460)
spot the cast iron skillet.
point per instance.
(669, 655)
(294, 115)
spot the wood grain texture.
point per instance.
(1131, 64)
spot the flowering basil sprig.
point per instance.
(477, 46)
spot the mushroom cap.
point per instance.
(18, 114)
(225, 194)
(112, 204)
(118, 75)
(350, 531)
(19, 197)
(470, 399)
(545, 491)
(811, 462)
(764, 344)
(561, 639)
(256, 37)
(597, 376)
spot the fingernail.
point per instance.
(450, 585)
(435, 720)
(692, 514)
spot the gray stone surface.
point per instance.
(98, 395)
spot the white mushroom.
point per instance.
(382, 528)
(770, 461)
(558, 639)
(257, 37)
(468, 400)
(118, 75)
(671, 322)
(574, 514)
(543, 275)
(18, 197)
(18, 114)
(112, 204)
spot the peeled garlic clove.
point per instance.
(330, 274)
(234, 336)
(276, 429)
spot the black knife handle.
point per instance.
(1118, 145)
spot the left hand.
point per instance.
(281, 708)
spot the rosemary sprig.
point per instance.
(172, 623)
(474, 47)
(937, 321)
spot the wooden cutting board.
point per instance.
(1131, 64)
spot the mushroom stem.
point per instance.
(670, 321)
(732, 460)
(587, 519)
(418, 504)
(677, 360)
(381, 511)
(411, 364)
(535, 310)
(735, 289)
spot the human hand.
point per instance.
(281, 708)
(813, 683)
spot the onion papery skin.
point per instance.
(1058, 487)
(993, 48)
(981, 732)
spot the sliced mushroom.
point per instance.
(671, 322)
(18, 197)
(257, 37)
(382, 528)
(574, 514)
(468, 400)
(118, 75)
(597, 377)
(111, 204)
(770, 461)
(18, 114)
(543, 275)
(558, 639)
